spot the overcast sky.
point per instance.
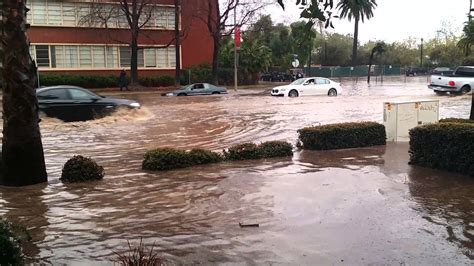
(394, 19)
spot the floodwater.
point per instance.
(346, 207)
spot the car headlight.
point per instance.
(136, 105)
(170, 94)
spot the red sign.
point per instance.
(237, 37)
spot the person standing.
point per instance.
(122, 81)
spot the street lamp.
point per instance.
(421, 53)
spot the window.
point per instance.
(100, 56)
(69, 14)
(125, 56)
(112, 57)
(54, 13)
(53, 94)
(80, 95)
(42, 55)
(98, 53)
(321, 81)
(150, 55)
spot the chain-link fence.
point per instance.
(357, 71)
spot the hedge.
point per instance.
(169, 158)
(80, 169)
(445, 146)
(10, 249)
(342, 136)
(455, 120)
(100, 81)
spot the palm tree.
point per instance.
(378, 49)
(357, 10)
(467, 39)
(22, 159)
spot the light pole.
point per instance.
(421, 53)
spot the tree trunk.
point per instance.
(134, 61)
(370, 66)
(134, 45)
(215, 61)
(177, 4)
(22, 150)
(471, 116)
(354, 44)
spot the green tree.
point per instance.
(467, 39)
(334, 49)
(357, 10)
(378, 49)
(22, 150)
(303, 37)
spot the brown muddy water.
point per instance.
(348, 207)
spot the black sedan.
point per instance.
(71, 103)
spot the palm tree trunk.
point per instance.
(22, 150)
(134, 45)
(370, 66)
(215, 61)
(354, 44)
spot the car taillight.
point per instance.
(452, 83)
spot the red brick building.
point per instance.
(64, 39)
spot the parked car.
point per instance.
(415, 71)
(461, 81)
(198, 89)
(308, 86)
(71, 103)
(442, 71)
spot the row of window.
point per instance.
(64, 13)
(100, 56)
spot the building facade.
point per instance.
(92, 37)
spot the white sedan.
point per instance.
(308, 86)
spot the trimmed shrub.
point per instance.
(92, 82)
(200, 156)
(455, 120)
(10, 249)
(80, 169)
(271, 149)
(444, 146)
(249, 151)
(342, 136)
(165, 159)
(245, 151)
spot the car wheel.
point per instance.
(465, 89)
(293, 93)
(182, 94)
(216, 92)
(332, 92)
(440, 93)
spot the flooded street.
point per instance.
(348, 207)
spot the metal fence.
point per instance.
(357, 71)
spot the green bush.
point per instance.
(80, 169)
(271, 149)
(455, 120)
(245, 151)
(446, 146)
(92, 82)
(342, 136)
(248, 151)
(10, 249)
(200, 156)
(168, 158)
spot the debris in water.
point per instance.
(248, 225)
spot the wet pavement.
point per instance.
(347, 207)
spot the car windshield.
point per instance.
(298, 82)
(185, 87)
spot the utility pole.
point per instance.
(421, 53)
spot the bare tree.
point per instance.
(22, 150)
(133, 15)
(219, 21)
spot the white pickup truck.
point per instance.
(460, 82)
